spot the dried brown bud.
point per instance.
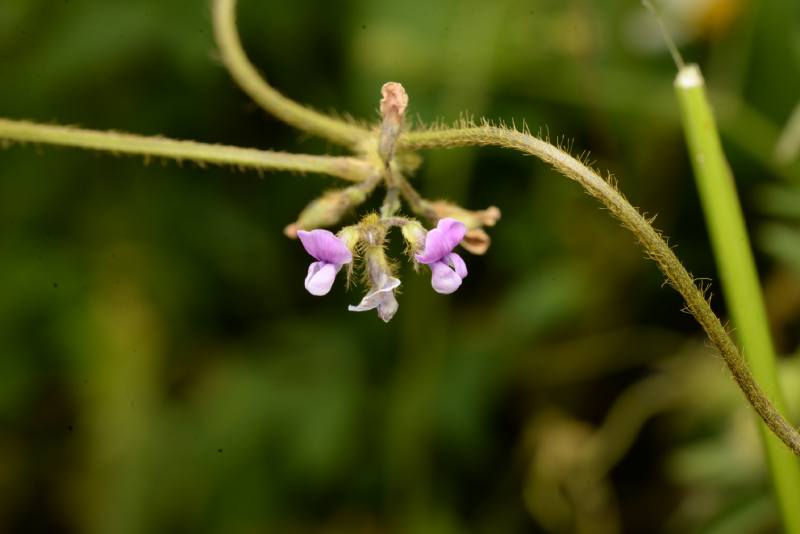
(394, 102)
(393, 107)
(489, 216)
(476, 241)
(472, 219)
(291, 231)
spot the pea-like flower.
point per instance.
(381, 298)
(447, 268)
(331, 254)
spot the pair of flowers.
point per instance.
(331, 254)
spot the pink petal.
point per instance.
(456, 262)
(442, 240)
(324, 246)
(320, 277)
(444, 279)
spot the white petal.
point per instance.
(388, 307)
(444, 280)
(382, 299)
(320, 277)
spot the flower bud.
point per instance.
(373, 232)
(327, 210)
(394, 101)
(476, 241)
(472, 219)
(414, 234)
(350, 236)
(393, 106)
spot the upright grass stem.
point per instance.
(650, 239)
(738, 274)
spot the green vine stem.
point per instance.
(347, 168)
(737, 270)
(285, 109)
(356, 169)
(650, 239)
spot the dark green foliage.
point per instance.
(162, 368)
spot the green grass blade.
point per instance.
(739, 278)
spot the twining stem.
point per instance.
(738, 273)
(285, 109)
(650, 239)
(347, 168)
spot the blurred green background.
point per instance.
(162, 368)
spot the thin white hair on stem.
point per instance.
(652, 241)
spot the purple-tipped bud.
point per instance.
(447, 268)
(331, 254)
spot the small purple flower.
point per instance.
(331, 254)
(447, 267)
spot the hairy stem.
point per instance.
(650, 239)
(285, 109)
(348, 168)
(415, 201)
